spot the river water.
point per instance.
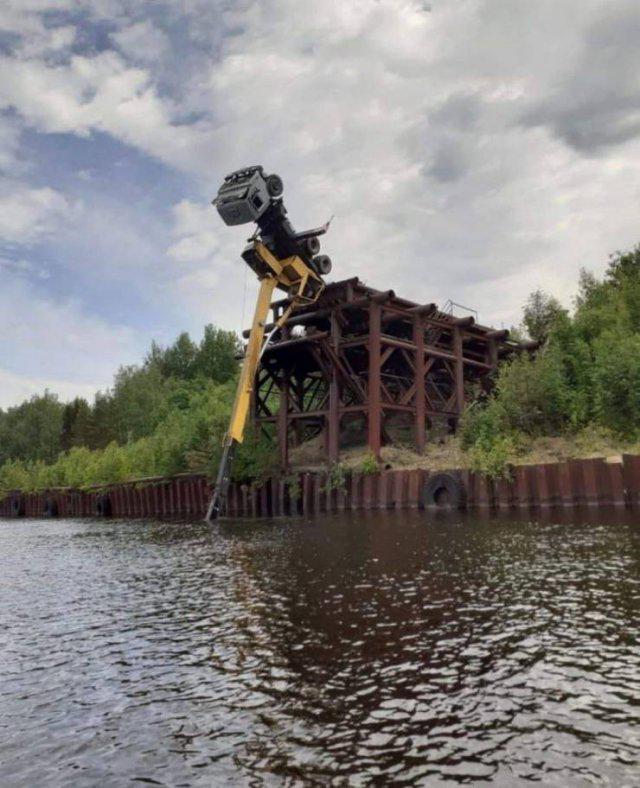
(388, 649)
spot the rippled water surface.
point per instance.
(385, 650)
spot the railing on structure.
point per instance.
(450, 305)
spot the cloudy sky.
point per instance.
(469, 149)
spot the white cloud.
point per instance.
(407, 126)
(16, 388)
(54, 341)
(99, 93)
(474, 151)
(207, 277)
(142, 42)
(23, 267)
(195, 231)
(9, 137)
(27, 215)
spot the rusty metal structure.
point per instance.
(364, 355)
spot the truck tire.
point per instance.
(17, 506)
(444, 491)
(275, 187)
(323, 264)
(103, 506)
(50, 508)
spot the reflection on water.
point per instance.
(384, 649)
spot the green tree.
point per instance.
(76, 420)
(540, 313)
(102, 429)
(216, 356)
(138, 400)
(31, 430)
(616, 383)
(179, 360)
(623, 273)
(533, 394)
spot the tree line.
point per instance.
(584, 377)
(169, 414)
(164, 415)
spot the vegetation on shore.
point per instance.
(167, 415)
(579, 394)
(584, 380)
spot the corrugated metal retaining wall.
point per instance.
(592, 482)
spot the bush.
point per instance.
(484, 433)
(14, 475)
(616, 383)
(369, 464)
(532, 393)
(337, 477)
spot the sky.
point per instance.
(471, 150)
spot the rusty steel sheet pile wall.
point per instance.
(179, 497)
(591, 482)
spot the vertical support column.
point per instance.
(492, 353)
(459, 368)
(297, 385)
(283, 420)
(283, 411)
(375, 409)
(334, 396)
(420, 401)
(253, 403)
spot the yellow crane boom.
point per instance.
(303, 285)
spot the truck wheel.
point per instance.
(17, 506)
(323, 264)
(275, 187)
(50, 508)
(312, 245)
(444, 491)
(103, 506)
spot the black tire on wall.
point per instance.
(444, 491)
(50, 508)
(17, 506)
(103, 506)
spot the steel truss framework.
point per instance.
(368, 354)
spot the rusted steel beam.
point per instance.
(424, 309)
(463, 322)
(346, 284)
(333, 424)
(419, 374)
(459, 369)
(340, 363)
(395, 342)
(305, 414)
(492, 353)
(286, 343)
(443, 354)
(374, 430)
(355, 342)
(430, 350)
(283, 421)
(319, 314)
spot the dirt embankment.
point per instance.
(449, 454)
